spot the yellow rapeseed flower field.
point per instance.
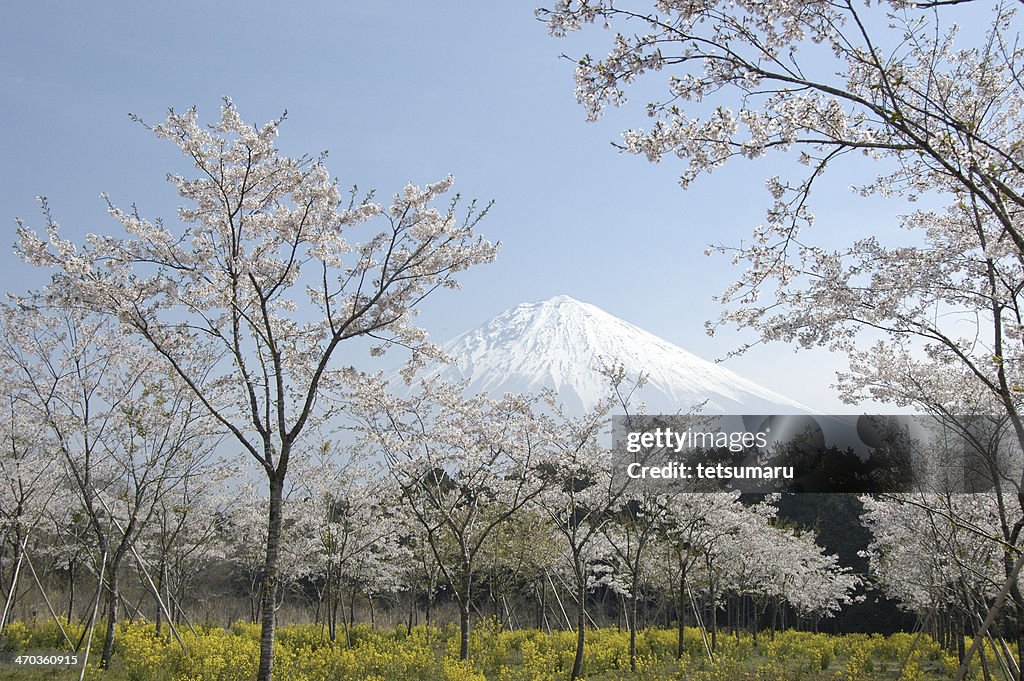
(305, 653)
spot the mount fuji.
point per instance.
(561, 342)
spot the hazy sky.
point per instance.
(399, 92)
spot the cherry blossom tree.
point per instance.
(464, 466)
(936, 556)
(772, 563)
(692, 526)
(244, 534)
(376, 571)
(579, 496)
(582, 492)
(923, 318)
(70, 542)
(250, 295)
(183, 535)
(630, 536)
(942, 116)
(516, 561)
(29, 472)
(356, 528)
(714, 546)
(421, 574)
(123, 430)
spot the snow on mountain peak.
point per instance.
(560, 343)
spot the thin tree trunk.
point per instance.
(464, 629)
(350, 621)
(465, 601)
(632, 631)
(72, 565)
(756, 617)
(160, 588)
(255, 594)
(581, 627)
(681, 629)
(333, 604)
(539, 612)
(113, 595)
(714, 617)
(680, 610)
(960, 649)
(714, 626)
(268, 602)
(426, 614)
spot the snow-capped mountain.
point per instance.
(561, 342)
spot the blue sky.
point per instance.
(398, 92)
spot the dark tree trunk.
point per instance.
(960, 650)
(464, 629)
(632, 631)
(71, 588)
(713, 616)
(581, 627)
(542, 605)
(332, 615)
(680, 612)
(714, 625)
(255, 594)
(464, 604)
(350, 621)
(161, 580)
(268, 601)
(757, 611)
(113, 595)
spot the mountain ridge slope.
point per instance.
(559, 344)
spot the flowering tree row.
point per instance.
(115, 482)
